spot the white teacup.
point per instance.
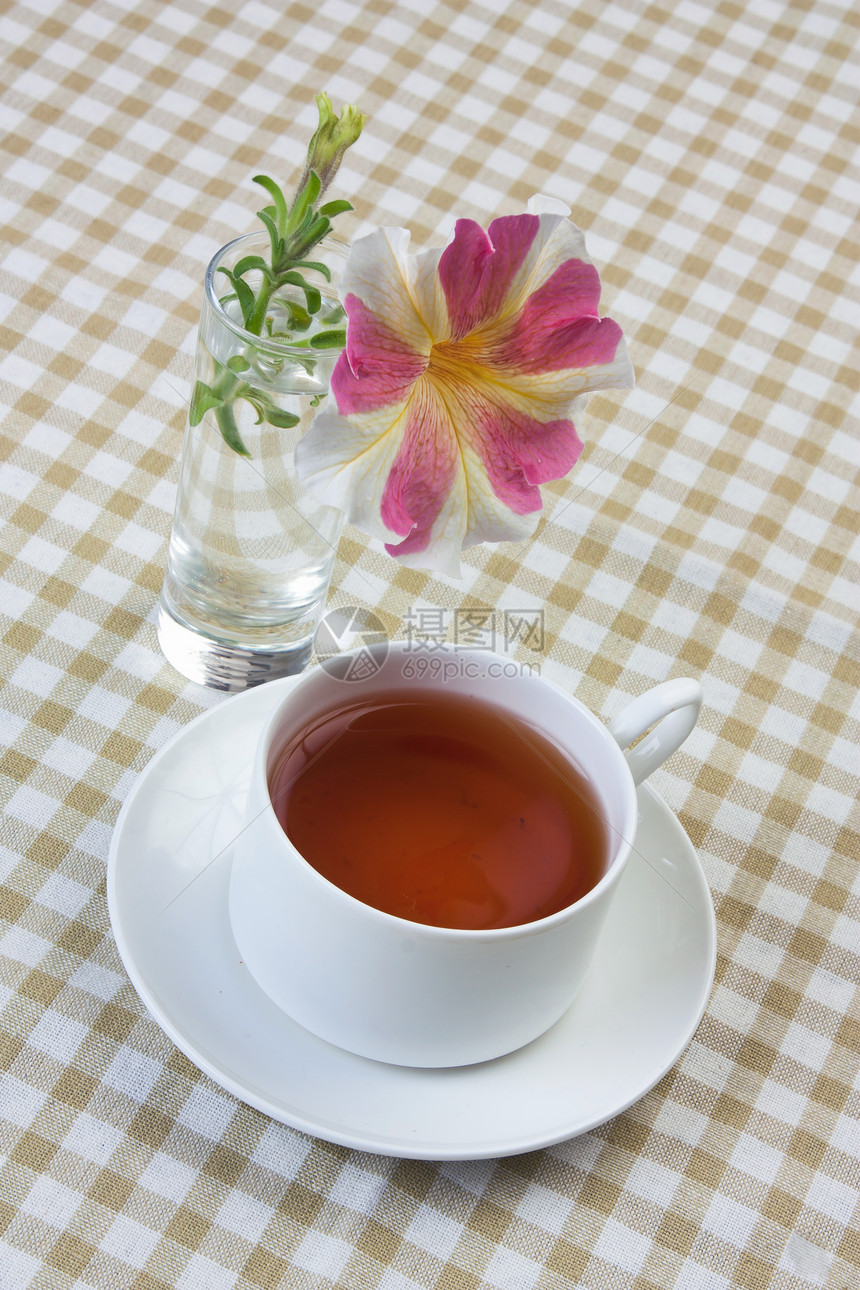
(416, 994)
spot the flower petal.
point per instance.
(571, 292)
(557, 240)
(346, 462)
(550, 392)
(541, 204)
(477, 268)
(519, 453)
(381, 273)
(422, 474)
(413, 471)
(559, 328)
(489, 520)
(453, 484)
(538, 344)
(377, 368)
(510, 450)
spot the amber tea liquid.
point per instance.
(440, 809)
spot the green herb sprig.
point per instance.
(279, 302)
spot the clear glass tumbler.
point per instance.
(251, 554)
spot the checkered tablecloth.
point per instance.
(710, 151)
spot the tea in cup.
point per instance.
(430, 853)
(440, 808)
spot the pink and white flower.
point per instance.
(464, 371)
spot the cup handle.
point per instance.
(675, 706)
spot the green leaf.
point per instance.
(317, 265)
(281, 213)
(334, 339)
(274, 235)
(284, 420)
(238, 363)
(244, 294)
(229, 430)
(203, 399)
(312, 295)
(307, 362)
(257, 404)
(335, 208)
(314, 232)
(300, 319)
(252, 262)
(304, 201)
(246, 299)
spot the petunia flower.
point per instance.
(464, 373)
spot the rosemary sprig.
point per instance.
(279, 301)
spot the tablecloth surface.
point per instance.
(710, 153)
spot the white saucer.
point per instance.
(167, 893)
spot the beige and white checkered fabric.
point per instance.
(710, 151)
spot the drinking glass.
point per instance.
(251, 555)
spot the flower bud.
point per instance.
(333, 136)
